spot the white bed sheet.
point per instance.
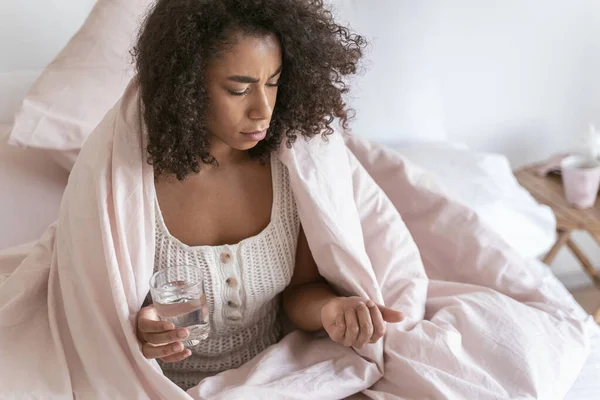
(31, 187)
(587, 386)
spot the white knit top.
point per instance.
(242, 283)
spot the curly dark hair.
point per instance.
(178, 38)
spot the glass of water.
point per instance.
(178, 297)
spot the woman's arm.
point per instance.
(311, 304)
(308, 292)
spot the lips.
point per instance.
(256, 136)
(255, 132)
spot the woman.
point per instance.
(223, 84)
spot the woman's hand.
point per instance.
(159, 338)
(354, 321)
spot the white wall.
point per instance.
(397, 96)
(33, 38)
(516, 75)
(32, 32)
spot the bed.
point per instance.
(33, 183)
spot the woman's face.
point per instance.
(242, 90)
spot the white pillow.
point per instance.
(83, 82)
(485, 183)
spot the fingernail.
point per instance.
(370, 304)
(177, 347)
(167, 327)
(182, 333)
(188, 353)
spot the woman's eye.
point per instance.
(242, 93)
(245, 92)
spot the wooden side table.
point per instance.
(548, 190)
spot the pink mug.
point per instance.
(581, 180)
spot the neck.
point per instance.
(226, 155)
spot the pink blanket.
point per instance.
(480, 324)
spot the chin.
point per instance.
(238, 142)
(244, 145)
(243, 142)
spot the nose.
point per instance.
(261, 107)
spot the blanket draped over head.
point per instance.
(481, 323)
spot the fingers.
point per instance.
(166, 337)
(337, 330)
(390, 315)
(150, 326)
(150, 351)
(352, 327)
(147, 321)
(359, 321)
(160, 339)
(182, 355)
(150, 329)
(365, 325)
(378, 322)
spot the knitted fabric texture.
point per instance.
(242, 283)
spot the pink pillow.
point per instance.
(82, 83)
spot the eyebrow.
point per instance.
(249, 79)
